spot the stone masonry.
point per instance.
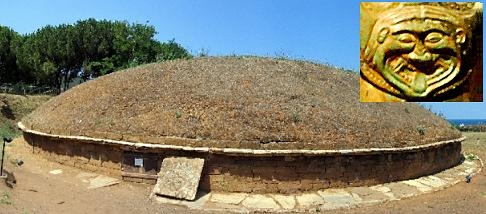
(255, 173)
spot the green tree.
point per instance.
(171, 50)
(54, 55)
(95, 42)
(27, 59)
(8, 66)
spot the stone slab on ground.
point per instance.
(199, 202)
(228, 198)
(225, 208)
(260, 202)
(385, 190)
(338, 196)
(420, 186)
(402, 190)
(368, 195)
(309, 200)
(286, 201)
(433, 181)
(102, 181)
(86, 176)
(179, 177)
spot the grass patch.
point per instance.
(471, 157)
(7, 131)
(178, 114)
(5, 198)
(296, 117)
(421, 130)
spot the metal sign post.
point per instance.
(5, 140)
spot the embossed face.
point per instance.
(419, 56)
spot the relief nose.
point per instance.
(420, 54)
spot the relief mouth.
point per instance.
(419, 80)
(413, 78)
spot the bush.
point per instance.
(8, 131)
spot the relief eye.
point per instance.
(406, 38)
(434, 37)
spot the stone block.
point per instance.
(260, 202)
(179, 177)
(228, 198)
(286, 202)
(309, 200)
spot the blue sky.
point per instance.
(326, 31)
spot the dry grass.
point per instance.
(19, 106)
(13, 108)
(475, 142)
(246, 102)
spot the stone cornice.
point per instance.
(242, 152)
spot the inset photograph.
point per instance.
(421, 52)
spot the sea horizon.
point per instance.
(467, 121)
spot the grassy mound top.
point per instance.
(244, 102)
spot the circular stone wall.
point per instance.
(261, 125)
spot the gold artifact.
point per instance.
(413, 51)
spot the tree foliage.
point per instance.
(55, 55)
(8, 60)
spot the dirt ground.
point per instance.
(460, 198)
(38, 191)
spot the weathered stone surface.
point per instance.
(260, 202)
(338, 197)
(420, 186)
(96, 181)
(198, 203)
(385, 190)
(179, 177)
(86, 176)
(228, 198)
(333, 206)
(401, 190)
(309, 200)
(102, 181)
(369, 195)
(286, 201)
(432, 181)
